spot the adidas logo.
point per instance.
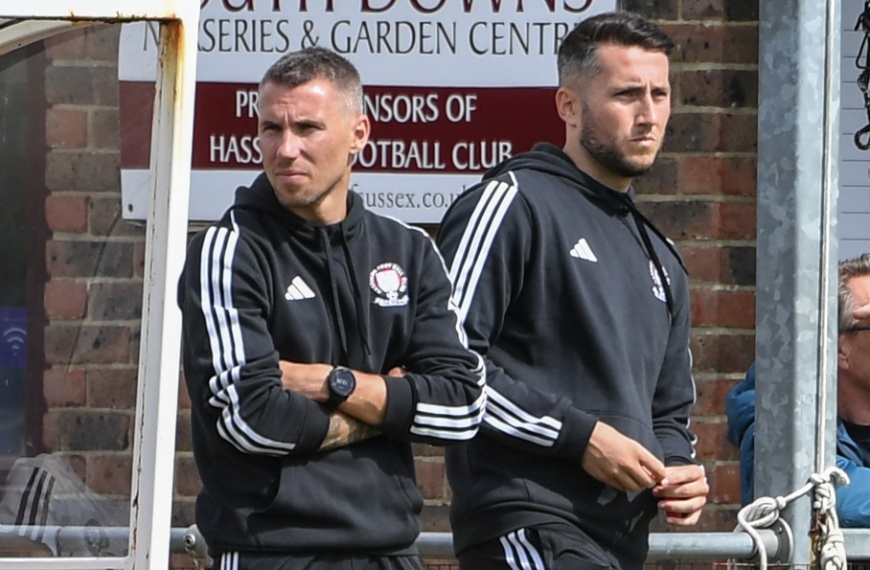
(582, 250)
(298, 290)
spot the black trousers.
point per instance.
(553, 546)
(263, 561)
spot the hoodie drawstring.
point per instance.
(336, 304)
(663, 277)
(642, 224)
(359, 303)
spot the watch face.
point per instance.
(342, 382)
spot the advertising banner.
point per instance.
(452, 87)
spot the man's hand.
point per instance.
(307, 379)
(620, 462)
(682, 494)
(862, 312)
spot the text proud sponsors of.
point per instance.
(415, 130)
(436, 152)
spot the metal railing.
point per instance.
(71, 540)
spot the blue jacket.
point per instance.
(853, 500)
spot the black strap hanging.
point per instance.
(862, 62)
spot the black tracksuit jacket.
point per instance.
(369, 293)
(557, 287)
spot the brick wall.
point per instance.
(701, 193)
(92, 298)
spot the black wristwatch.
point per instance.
(341, 383)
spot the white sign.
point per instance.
(854, 204)
(452, 88)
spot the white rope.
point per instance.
(765, 511)
(832, 552)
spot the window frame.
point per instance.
(23, 22)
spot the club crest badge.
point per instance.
(657, 288)
(390, 285)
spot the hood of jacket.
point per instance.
(260, 197)
(550, 159)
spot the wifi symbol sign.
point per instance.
(12, 351)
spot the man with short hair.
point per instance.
(580, 307)
(320, 342)
(853, 401)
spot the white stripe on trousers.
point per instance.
(229, 561)
(519, 553)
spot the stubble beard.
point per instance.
(606, 151)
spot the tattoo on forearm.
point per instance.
(344, 430)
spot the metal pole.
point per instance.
(797, 191)
(72, 541)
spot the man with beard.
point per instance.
(580, 307)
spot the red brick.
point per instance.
(111, 474)
(105, 219)
(736, 220)
(135, 341)
(101, 42)
(139, 259)
(660, 180)
(722, 353)
(66, 429)
(65, 299)
(431, 479)
(686, 219)
(652, 9)
(435, 518)
(66, 128)
(426, 450)
(113, 301)
(183, 396)
(69, 45)
(712, 444)
(723, 308)
(726, 88)
(66, 213)
(746, 10)
(719, 264)
(89, 259)
(724, 481)
(63, 387)
(86, 344)
(702, 219)
(714, 43)
(183, 440)
(69, 85)
(711, 396)
(729, 175)
(187, 482)
(738, 132)
(710, 131)
(113, 388)
(106, 86)
(183, 515)
(104, 129)
(722, 518)
(83, 171)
